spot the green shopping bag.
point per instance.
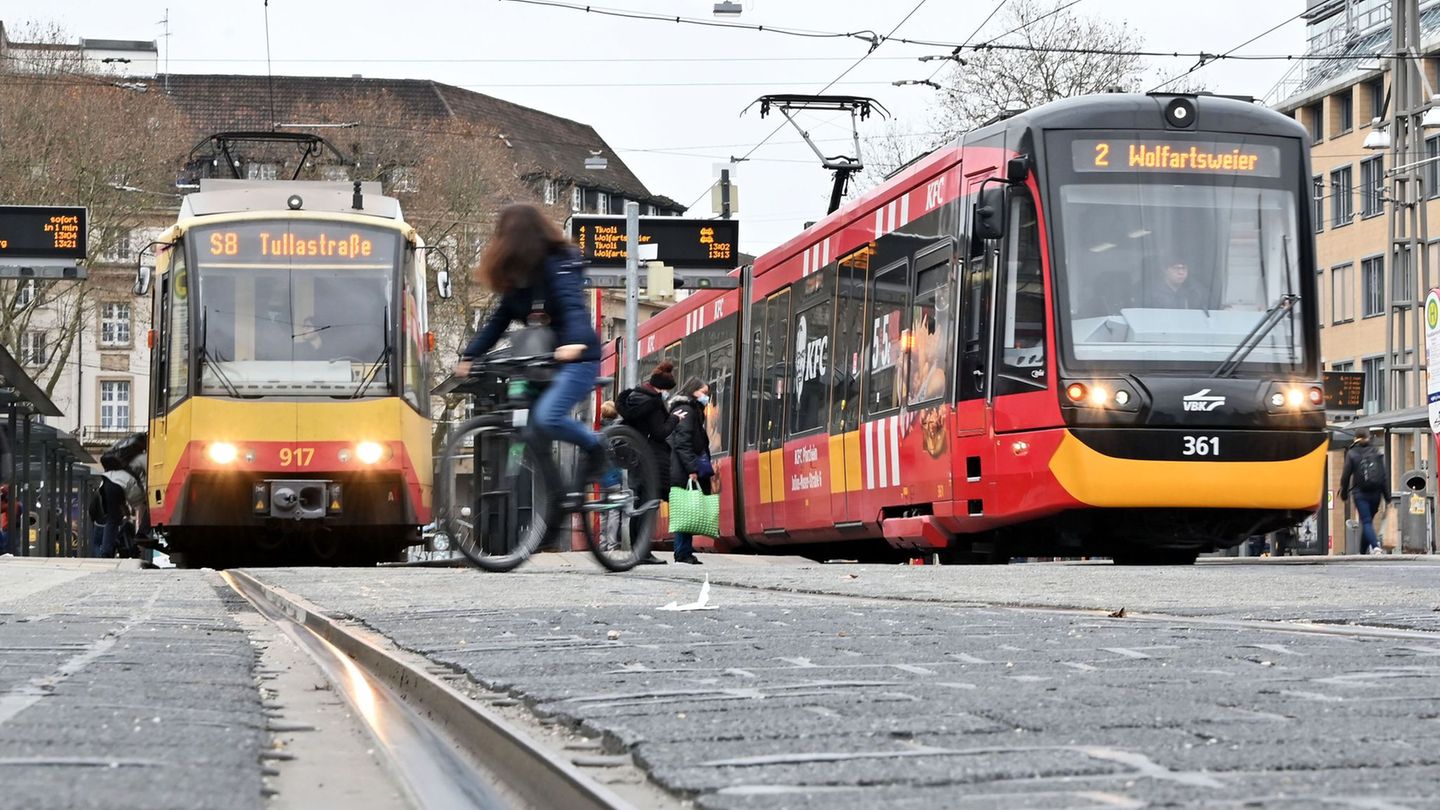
(694, 512)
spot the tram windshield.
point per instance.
(1164, 271)
(294, 308)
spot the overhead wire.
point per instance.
(1202, 63)
(873, 46)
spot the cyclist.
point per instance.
(533, 267)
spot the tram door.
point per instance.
(774, 389)
(848, 341)
(977, 284)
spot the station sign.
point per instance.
(681, 243)
(42, 232)
(1344, 390)
(1432, 360)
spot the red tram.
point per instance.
(1089, 328)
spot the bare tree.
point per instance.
(991, 81)
(68, 137)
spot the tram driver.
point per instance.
(1173, 290)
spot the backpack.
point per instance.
(121, 453)
(1370, 470)
(622, 406)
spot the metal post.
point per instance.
(23, 526)
(1409, 269)
(724, 193)
(12, 477)
(632, 293)
(67, 513)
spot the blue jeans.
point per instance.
(550, 417)
(1366, 505)
(684, 545)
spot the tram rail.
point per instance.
(447, 750)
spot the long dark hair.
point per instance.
(517, 249)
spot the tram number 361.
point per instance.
(1201, 446)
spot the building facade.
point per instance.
(1339, 100)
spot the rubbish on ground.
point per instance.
(703, 603)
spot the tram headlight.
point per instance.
(222, 452)
(1284, 398)
(1107, 395)
(369, 452)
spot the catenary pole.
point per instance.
(632, 294)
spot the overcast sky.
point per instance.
(667, 97)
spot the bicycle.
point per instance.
(521, 503)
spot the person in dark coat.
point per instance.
(531, 265)
(690, 452)
(643, 408)
(1368, 495)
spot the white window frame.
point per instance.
(577, 199)
(33, 348)
(25, 293)
(602, 202)
(115, 404)
(120, 326)
(258, 170)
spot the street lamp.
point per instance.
(1378, 139)
(1431, 119)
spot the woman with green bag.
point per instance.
(690, 468)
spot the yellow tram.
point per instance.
(289, 411)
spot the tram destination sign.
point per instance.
(41, 232)
(682, 243)
(1150, 155)
(1344, 390)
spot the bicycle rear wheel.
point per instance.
(508, 506)
(627, 530)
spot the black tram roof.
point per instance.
(1146, 111)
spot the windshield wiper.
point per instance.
(383, 358)
(1273, 316)
(207, 360)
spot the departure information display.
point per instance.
(682, 243)
(42, 232)
(1191, 157)
(1344, 390)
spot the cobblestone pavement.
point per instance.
(776, 700)
(123, 688)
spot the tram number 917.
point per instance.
(1201, 446)
(297, 457)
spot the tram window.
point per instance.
(886, 332)
(776, 370)
(848, 338)
(1021, 343)
(412, 326)
(811, 368)
(927, 344)
(722, 382)
(752, 406)
(177, 349)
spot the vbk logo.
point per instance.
(1201, 401)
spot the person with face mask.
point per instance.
(690, 452)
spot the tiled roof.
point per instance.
(544, 144)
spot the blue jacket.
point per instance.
(563, 290)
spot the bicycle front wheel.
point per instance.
(626, 527)
(501, 499)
